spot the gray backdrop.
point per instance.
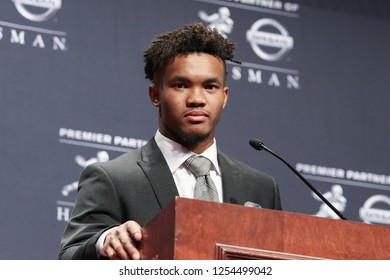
(313, 85)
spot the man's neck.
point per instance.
(196, 147)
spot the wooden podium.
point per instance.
(190, 229)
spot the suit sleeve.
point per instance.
(96, 209)
(277, 200)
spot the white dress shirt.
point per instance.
(175, 155)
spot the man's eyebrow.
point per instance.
(213, 80)
(184, 79)
(179, 78)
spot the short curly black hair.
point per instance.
(193, 37)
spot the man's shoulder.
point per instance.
(227, 160)
(130, 157)
(125, 159)
(121, 164)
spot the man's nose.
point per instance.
(196, 97)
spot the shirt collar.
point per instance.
(175, 154)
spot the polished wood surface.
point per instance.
(192, 229)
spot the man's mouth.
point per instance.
(196, 116)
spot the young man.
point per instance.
(116, 198)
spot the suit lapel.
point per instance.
(157, 171)
(231, 180)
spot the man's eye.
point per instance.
(180, 85)
(211, 87)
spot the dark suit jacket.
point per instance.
(138, 185)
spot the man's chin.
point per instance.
(194, 138)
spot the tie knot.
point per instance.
(198, 165)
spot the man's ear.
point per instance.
(154, 95)
(226, 95)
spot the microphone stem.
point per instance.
(307, 183)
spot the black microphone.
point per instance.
(258, 145)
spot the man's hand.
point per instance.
(120, 242)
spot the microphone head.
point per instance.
(256, 144)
